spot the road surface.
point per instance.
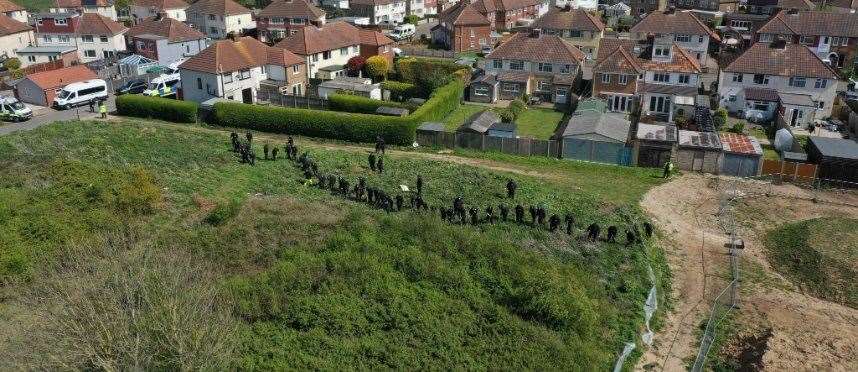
(44, 115)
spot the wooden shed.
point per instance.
(698, 151)
(836, 158)
(743, 155)
(654, 144)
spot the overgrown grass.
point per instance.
(321, 282)
(819, 256)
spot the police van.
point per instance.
(81, 93)
(163, 86)
(14, 110)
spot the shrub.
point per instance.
(720, 118)
(140, 194)
(223, 212)
(157, 108)
(377, 67)
(358, 104)
(12, 64)
(355, 65)
(410, 70)
(737, 128)
(517, 106)
(412, 19)
(399, 91)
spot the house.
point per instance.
(282, 18)
(836, 158)
(142, 9)
(743, 155)
(507, 14)
(461, 28)
(379, 11)
(641, 7)
(165, 39)
(583, 29)
(33, 55)
(40, 88)
(588, 5)
(680, 27)
(326, 49)
(768, 7)
(803, 84)
(741, 28)
(101, 7)
(840, 6)
(832, 36)
(484, 88)
(351, 85)
(219, 18)
(416, 7)
(597, 136)
(95, 36)
(14, 36)
(698, 151)
(374, 43)
(14, 11)
(234, 69)
(663, 77)
(654, 144)
(533, 63)
(614, 13)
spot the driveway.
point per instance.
(45, 115)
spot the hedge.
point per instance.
(156, 108)
(399, 91)
(410, 69)
(359, 104)
(339, 125)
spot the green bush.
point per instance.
(157, 108)
(359, 104)
(410, 70)
(720, 118)
(738, 128)
(399, 91)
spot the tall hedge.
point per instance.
(399, 90)
(157, 108)
(359, 104)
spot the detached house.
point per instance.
(282, 18)
(783, 76)
(325, 50)
(832, 36)
(94, 35)
(530, 63)
(165, 40)
(461, 28)
(14, 36)
(175, 9)
(234, 69)
(681, 27)
(506, 14)
(582, 29)
(14, 11)
(101, 7)
(664, 77)
(379, 11)
(219, 18)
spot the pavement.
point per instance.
(45, 115)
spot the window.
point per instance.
(738, 23)
(47, 38)
(797, 81)
(497, 63)
(624, 79)
(31, 58)
(244, 74)
(60, 21)
(510, 87)
(344, 51)
(766, 38)
(516, 65)
(277, 21)
(606, 78)
(820, 83)
(87, 38)
(63, 38)
(213, 30)
(315, 58)
(661, 78)
(199, 83)
(761, 79)
(39, 21)
(481, 90)
(89, 53)
(103, 38)
(575, 33)
(684, 79)
(659, 104)
(565, 69)
(326, 54)
(821, 104)
(544, 67)
(700, 39)
(296, 69)
(227, 78)
(808, 40)
(297, 21)
(682, 38)
(544, 86)
(212, 17)
(661, 52)
(737, 78)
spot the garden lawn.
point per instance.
(538, 122)
(313, 280)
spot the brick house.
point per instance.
(680, 27)
(282, 18)
(95, 36)
(582, 29)
(505, 14)
(374, 43)
(640, 7)
(546, 66)
(769, 7)
(165, 39)
(832, 36)
(379, 11)
(462, 28)
(663, 77)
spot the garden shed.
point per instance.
(471, 134)
(654, 144)
(742, 155)
(596, 136)
(836, 158)
(432, 134)
(698, 151)
(501, 129)
(391, 111)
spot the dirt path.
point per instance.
(807, 333)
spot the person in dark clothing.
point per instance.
(510, 189)
(370, 195)
(475, 218)
(265, 150)
(593, 232)
(380, 165)
(532, 211)
(379, 145)
(249, 137)
(504, 212)
(490, 214)
(252, 158)
(332, 183)
(274, 152)
(443, 214)
(612, 234)
(459, 208)
(553, 222)
(419, 203)
(540, 215)
(419, 185)
(236, 144)
(630, 237)
(519, 213)
(399, 201)
(372, 161)
(570, 221)
(647, 229)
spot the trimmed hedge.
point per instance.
(157, 108)
(399, 91)
(338, 125)
(359, 104)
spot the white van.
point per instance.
(82, 93)
(403, 31)
(163, 86)
(14, 110)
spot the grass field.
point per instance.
(35, 5)
(820, 256)
(535, 122)
(140, 243)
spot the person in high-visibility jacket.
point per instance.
(102, 108)
(165, 91)
(668, 168)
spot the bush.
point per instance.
(12, 64)
(140, 194)
(719, 118)
(355, 65)
(377, 67)
(399, 91)
(157, 108)
(412, 19)
(410, 70)
(738, 128)
(223, 212)
(359, 104)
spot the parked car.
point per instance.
(403, 31)
(135, 86)
(14, 110)
(81, 93)
(486, 49)
(164, 85)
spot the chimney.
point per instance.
(536, 32)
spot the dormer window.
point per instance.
(661, 78)
(516, 65)
(661, 52)
(60, 21)
(682, 38)
(496, 63)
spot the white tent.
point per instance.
(783, 140)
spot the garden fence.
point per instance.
(474, 141)
(424, 52)
(291, 100)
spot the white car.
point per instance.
(14, 110)
(81, 93)
(403, 31)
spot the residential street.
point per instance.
(45, 115)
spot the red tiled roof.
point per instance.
(219, 7)
(673, 22)
(490, 6)
(569, 19)
(740, 144)
(312, 39)
(61, 77)
(9, 26)
(463, 13)
(791, 60)
(229, 55)
(375, 38)
(812, 23)
(161, 4)
(681, 62)
(291, 9)
(97, 24)
(169, 28)
(542, 48)
(9, 6)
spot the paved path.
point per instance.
(46, 115)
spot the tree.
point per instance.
(412, 19)
(720, 118)
(12, 64)
(355, 65)
(377, 67)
